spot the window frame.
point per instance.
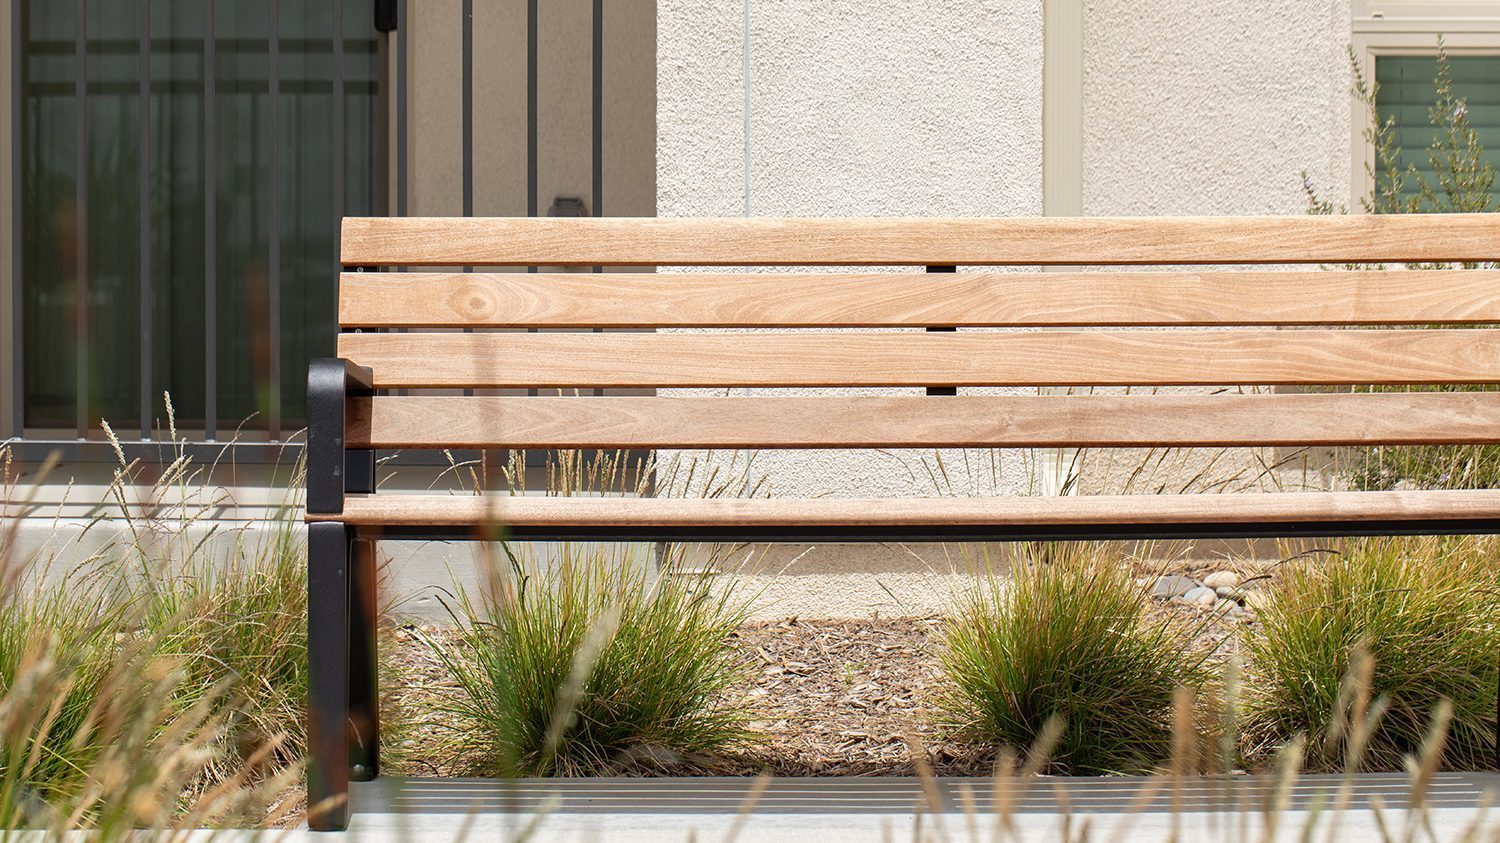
(1409, 28)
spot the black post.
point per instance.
(328, 676)
(339, 629)
(364, 613)
(942, 390)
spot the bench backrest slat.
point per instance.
(573, 241)
(1000, 299)
(983, 358)
(965, 421)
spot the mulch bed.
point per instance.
(831, 698)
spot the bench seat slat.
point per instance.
(1047, 358)
(975, 299)
(621, 241)
(1422, 418)
(597, 512)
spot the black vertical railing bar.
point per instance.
(382, 181)
(401, 108)
(338, 140)
(466, 131)
(273, 211)
(81, 211)
(596, 120)
(338, 125)
(942, 390)
(143, 171)
(466, 139)
(210, 235)
(18, 369)
(531, 110)
(401, 137)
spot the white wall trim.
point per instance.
(1062, 108)
(1425, 16)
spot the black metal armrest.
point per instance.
(331, 468)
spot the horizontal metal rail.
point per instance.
(946, 534)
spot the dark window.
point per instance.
(273, 200)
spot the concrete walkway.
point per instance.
(853, 809)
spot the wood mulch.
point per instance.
(830, 698)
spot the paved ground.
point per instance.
(827, 810)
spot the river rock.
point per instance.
(1222, 579)
(1201, 595)
(1172, 585)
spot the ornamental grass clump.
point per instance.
(159, 682)
(593, 662)
(95, 736)
(592, 658)
(1424, 612)
(1068, 639)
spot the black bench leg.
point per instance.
(364, 688)
(328, 624)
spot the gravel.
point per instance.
(829, 697)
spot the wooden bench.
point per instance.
(1221, 328)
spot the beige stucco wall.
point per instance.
(1214, 109)
(882, 109)
(1192, 113)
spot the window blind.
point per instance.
(1407, 93)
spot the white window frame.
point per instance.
(1409, 28)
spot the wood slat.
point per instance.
(620, 300)
(1426, 418)
(558, 241)
(452, 510)
(1058, 358)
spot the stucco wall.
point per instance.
(884, 108)
(1191, 109)
(1214, 109)
(879, 109)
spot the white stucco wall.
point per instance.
(875, 109)
(1194, 108)
(883, 108)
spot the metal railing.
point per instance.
(274, 439)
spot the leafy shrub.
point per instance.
(1427, 613)
(1069, 637)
